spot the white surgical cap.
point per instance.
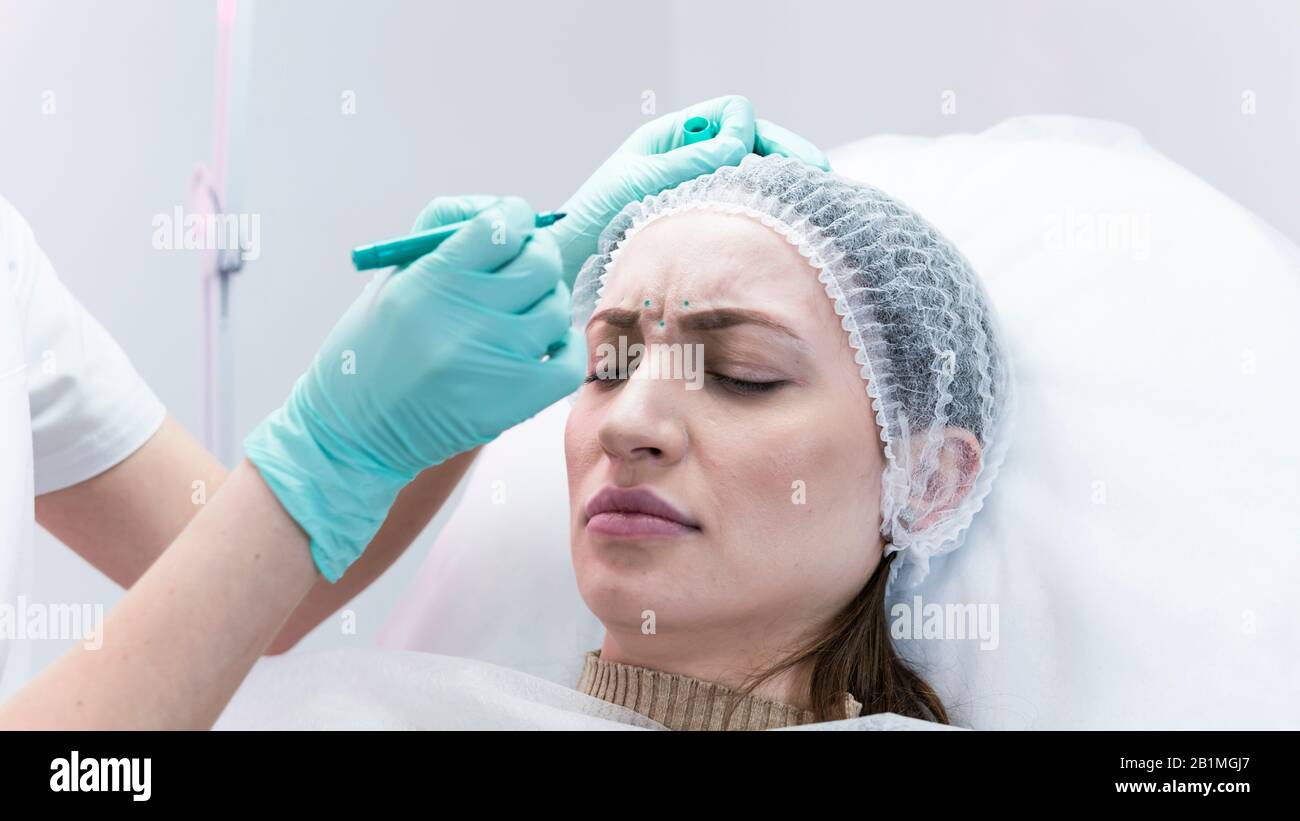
(921, 327)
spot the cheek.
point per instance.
(799, 483)
(844, 497)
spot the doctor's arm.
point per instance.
(174, 650)
(123, 519)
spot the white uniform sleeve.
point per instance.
(90, 409)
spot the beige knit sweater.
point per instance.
(684, 703)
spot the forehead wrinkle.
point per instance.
(727, 258)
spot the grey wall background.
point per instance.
(525, 98)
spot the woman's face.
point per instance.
(773, 460)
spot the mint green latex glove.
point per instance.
(656, 158)
(436, 359)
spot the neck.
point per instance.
(724, 663)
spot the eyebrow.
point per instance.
(710, 320)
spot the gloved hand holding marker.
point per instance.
(436, 359)
(407, 249)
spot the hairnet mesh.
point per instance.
(921, 327)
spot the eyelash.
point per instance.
(740, 386)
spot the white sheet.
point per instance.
(376, 689)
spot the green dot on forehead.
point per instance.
(647, 303)
(686, 303)
(661, 323)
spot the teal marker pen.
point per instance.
(407, 249)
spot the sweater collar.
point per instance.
(685, 703)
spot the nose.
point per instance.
(644, 422)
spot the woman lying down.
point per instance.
(736, 531)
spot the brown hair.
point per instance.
(854, 653)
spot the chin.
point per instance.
(620, 581)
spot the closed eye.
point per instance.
(745, 386)
(594, 377)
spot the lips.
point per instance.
(635, 513)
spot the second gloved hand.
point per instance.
(432, 361)
(656, 158)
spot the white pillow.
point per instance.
(1141, 542)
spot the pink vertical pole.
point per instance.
(210, 195)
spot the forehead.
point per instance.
(710, 258)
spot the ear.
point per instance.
(960, 459)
